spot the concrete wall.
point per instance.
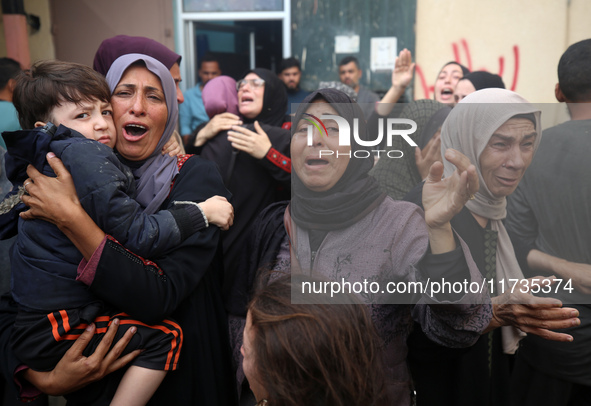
(521, 40)
(79, 26)
(40, 43)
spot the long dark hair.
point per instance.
(315, 354)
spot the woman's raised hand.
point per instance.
(444, 198)
(404, 69)
(253, 143)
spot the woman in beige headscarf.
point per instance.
(499, 132)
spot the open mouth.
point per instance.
(247, 99)
(135, 130)
(316, 162)
(447, 92)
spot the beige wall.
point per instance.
(79, 26)
(528, 35)
(41, 42)
(73, 29)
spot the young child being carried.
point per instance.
(54, 308)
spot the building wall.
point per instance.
(521, 40)
(79, 26)
(40, 43)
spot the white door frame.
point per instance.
(185, 35)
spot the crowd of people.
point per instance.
(158, 266)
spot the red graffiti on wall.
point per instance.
(428, 89)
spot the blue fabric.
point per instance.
(192, 112)
(8, 119)
(295, 97)
(44, 261)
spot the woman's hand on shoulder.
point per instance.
(218, 123)
(74, 371)
(172, 147)
(256, 144)
(443, 198)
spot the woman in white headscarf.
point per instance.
(499, 132)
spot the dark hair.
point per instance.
(9, 69)
(315, 354)
(573, 72)
(50, 83)
(287, 63)
(349, 59)
(208, 58)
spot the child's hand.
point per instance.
(218, 211)
(172, 147)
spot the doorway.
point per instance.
(239, 45)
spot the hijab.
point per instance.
(397, 176)
(348, 90)
(468, 129)
(220, 96)
(112, 48)
(484, 80)
(354, 195)
(274, 99)
(154, 174)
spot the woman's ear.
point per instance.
(558, 94)
(39, 124)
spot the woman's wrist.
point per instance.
(441, 239)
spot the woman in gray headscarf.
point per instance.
(184, 283)
(499, 132)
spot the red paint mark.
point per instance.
(423, 81)
(516, 71)
(454, 46)
(467, 50)
(429, 89)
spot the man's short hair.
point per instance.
(574, 69)
(348, 59)
(287, 63)
(209, 58)
(9, 69)
(49, 84)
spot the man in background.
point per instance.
(192, 111)
(350, 74)
(549, 222)
(290, 73)
(9, 69)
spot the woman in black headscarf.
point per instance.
(340, 225)
(252, 159)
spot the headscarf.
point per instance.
(397, 176)
(274, 99)
(220, 96)
(484, 80)
(468, 129)
(112, 48)
(154, 174)
(348, 90)
(354, 195)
